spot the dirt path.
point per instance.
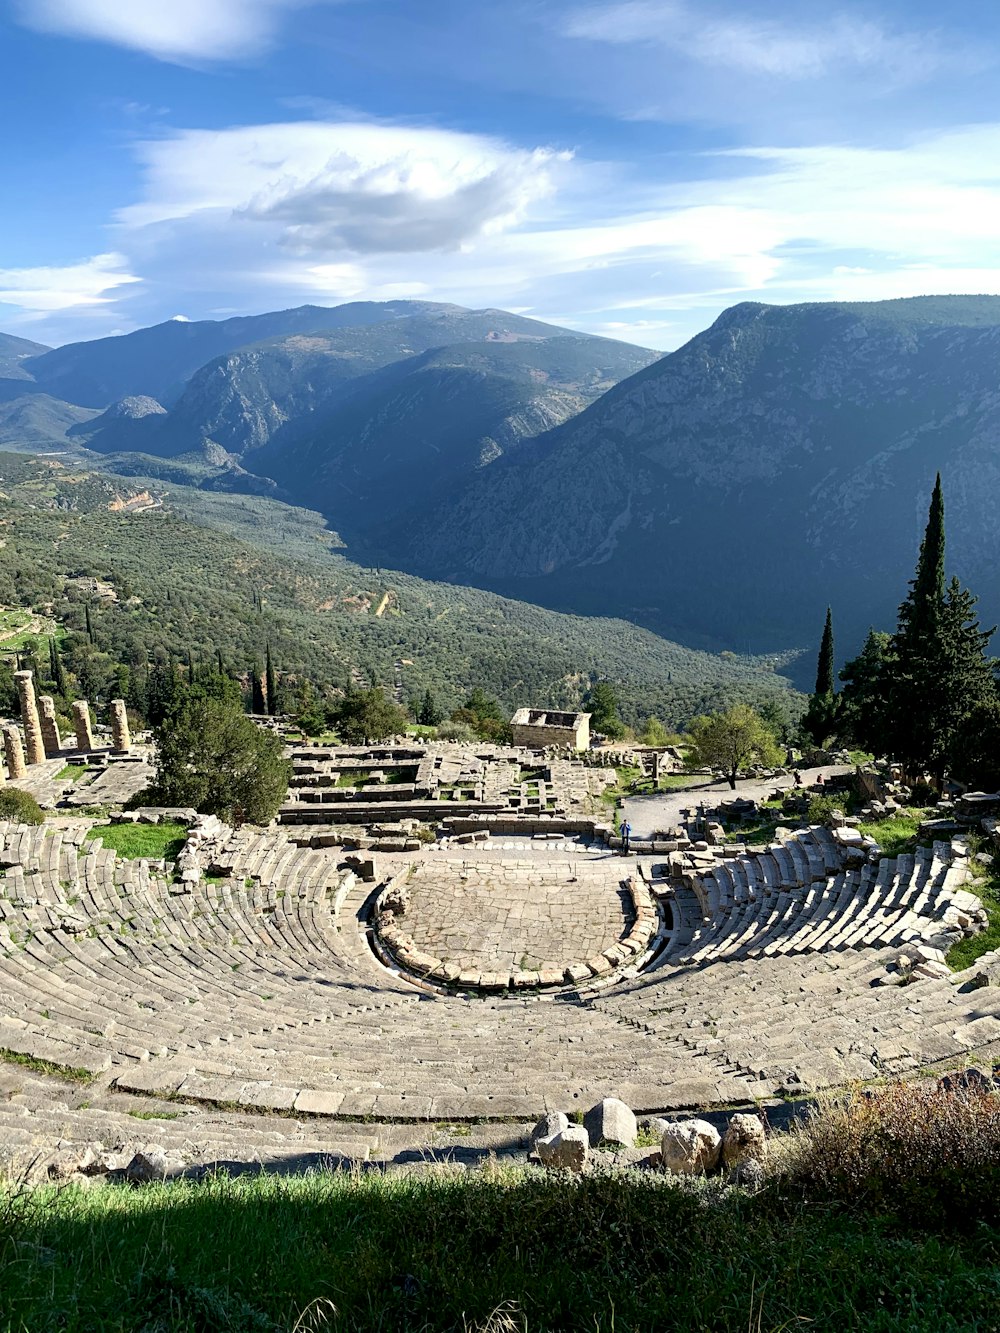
(646, 814)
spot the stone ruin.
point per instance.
(536, 727)
(340, 965)
(36, 753)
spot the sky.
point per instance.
(622, 167)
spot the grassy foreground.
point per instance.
(497, 1250)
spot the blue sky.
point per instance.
(628, 167)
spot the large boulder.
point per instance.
(552, 1122)
(611, 1121)
(566, 1150)
(690, 1147)
(744, 1141)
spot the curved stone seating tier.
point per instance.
(256, 987)
(493, 926)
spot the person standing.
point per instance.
(626, 832)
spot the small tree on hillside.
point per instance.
(731, 742)
(602, 702)
(368, 715)
(429, 715)
(211, 756)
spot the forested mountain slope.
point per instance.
(779, 461)
(205, 574)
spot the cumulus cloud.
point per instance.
(261, 217)
(171, 30)
(761, 45)
(43, 290)
(358, 187)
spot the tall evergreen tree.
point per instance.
(820, 718)
(429, 715)
(824, 663)
(220, 669)
(937, 669)
(89, 622)
(258, 703)
(270, 685)
(863, 717)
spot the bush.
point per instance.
(821, 807)
(455, 731)
(20, 806)
(920, 1152)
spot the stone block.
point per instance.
(318, 1103)
(611, 1121)
(552, 1123)
(744, 1140)
(690, 1147)
(567, 1150)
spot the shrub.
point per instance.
(926, 1154)
(20, 806)
(821, 807)
(455, 731)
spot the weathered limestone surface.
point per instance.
(82, 726)
(13, 752)
(34, 743)
(566, 1150)
(690, 1147)
(611, 1121)
(120, 736)
(744, 1141)
(51, 739)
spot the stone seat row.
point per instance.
(753, 905)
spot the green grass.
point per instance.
(354, 1252)
(154, 841)
(896, 834)
(71, 772)
(45, 1066)
(154, 1115)
(965, 952)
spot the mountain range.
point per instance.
(721, 495)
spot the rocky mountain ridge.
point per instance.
(780, 460)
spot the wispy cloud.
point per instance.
(765, 46)
(173, 30)
(358, 187)
(40, 291)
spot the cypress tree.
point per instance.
(58, 670)
(270, 686)
(257, 701)
(937, 670)
(90, 627)
(824, 664)
(820, 717)
(218, 662)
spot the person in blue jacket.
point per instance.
(626, 832)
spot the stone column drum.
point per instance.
(29, 717)
(81, 725)
(50, 727)
(13, 752)
(120, 735)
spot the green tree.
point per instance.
(368, 715)
(975, 750)
(655, 733)
(938, 671)
(270, 683)
(428, 715)
(731, 742)
(602, 703)
(258, 703)
(485, 716)
(864, 704)
(211, 756)
(819, 721)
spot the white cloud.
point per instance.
(171, 30)
(44, 290)
(321, 188)
(761, 45)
